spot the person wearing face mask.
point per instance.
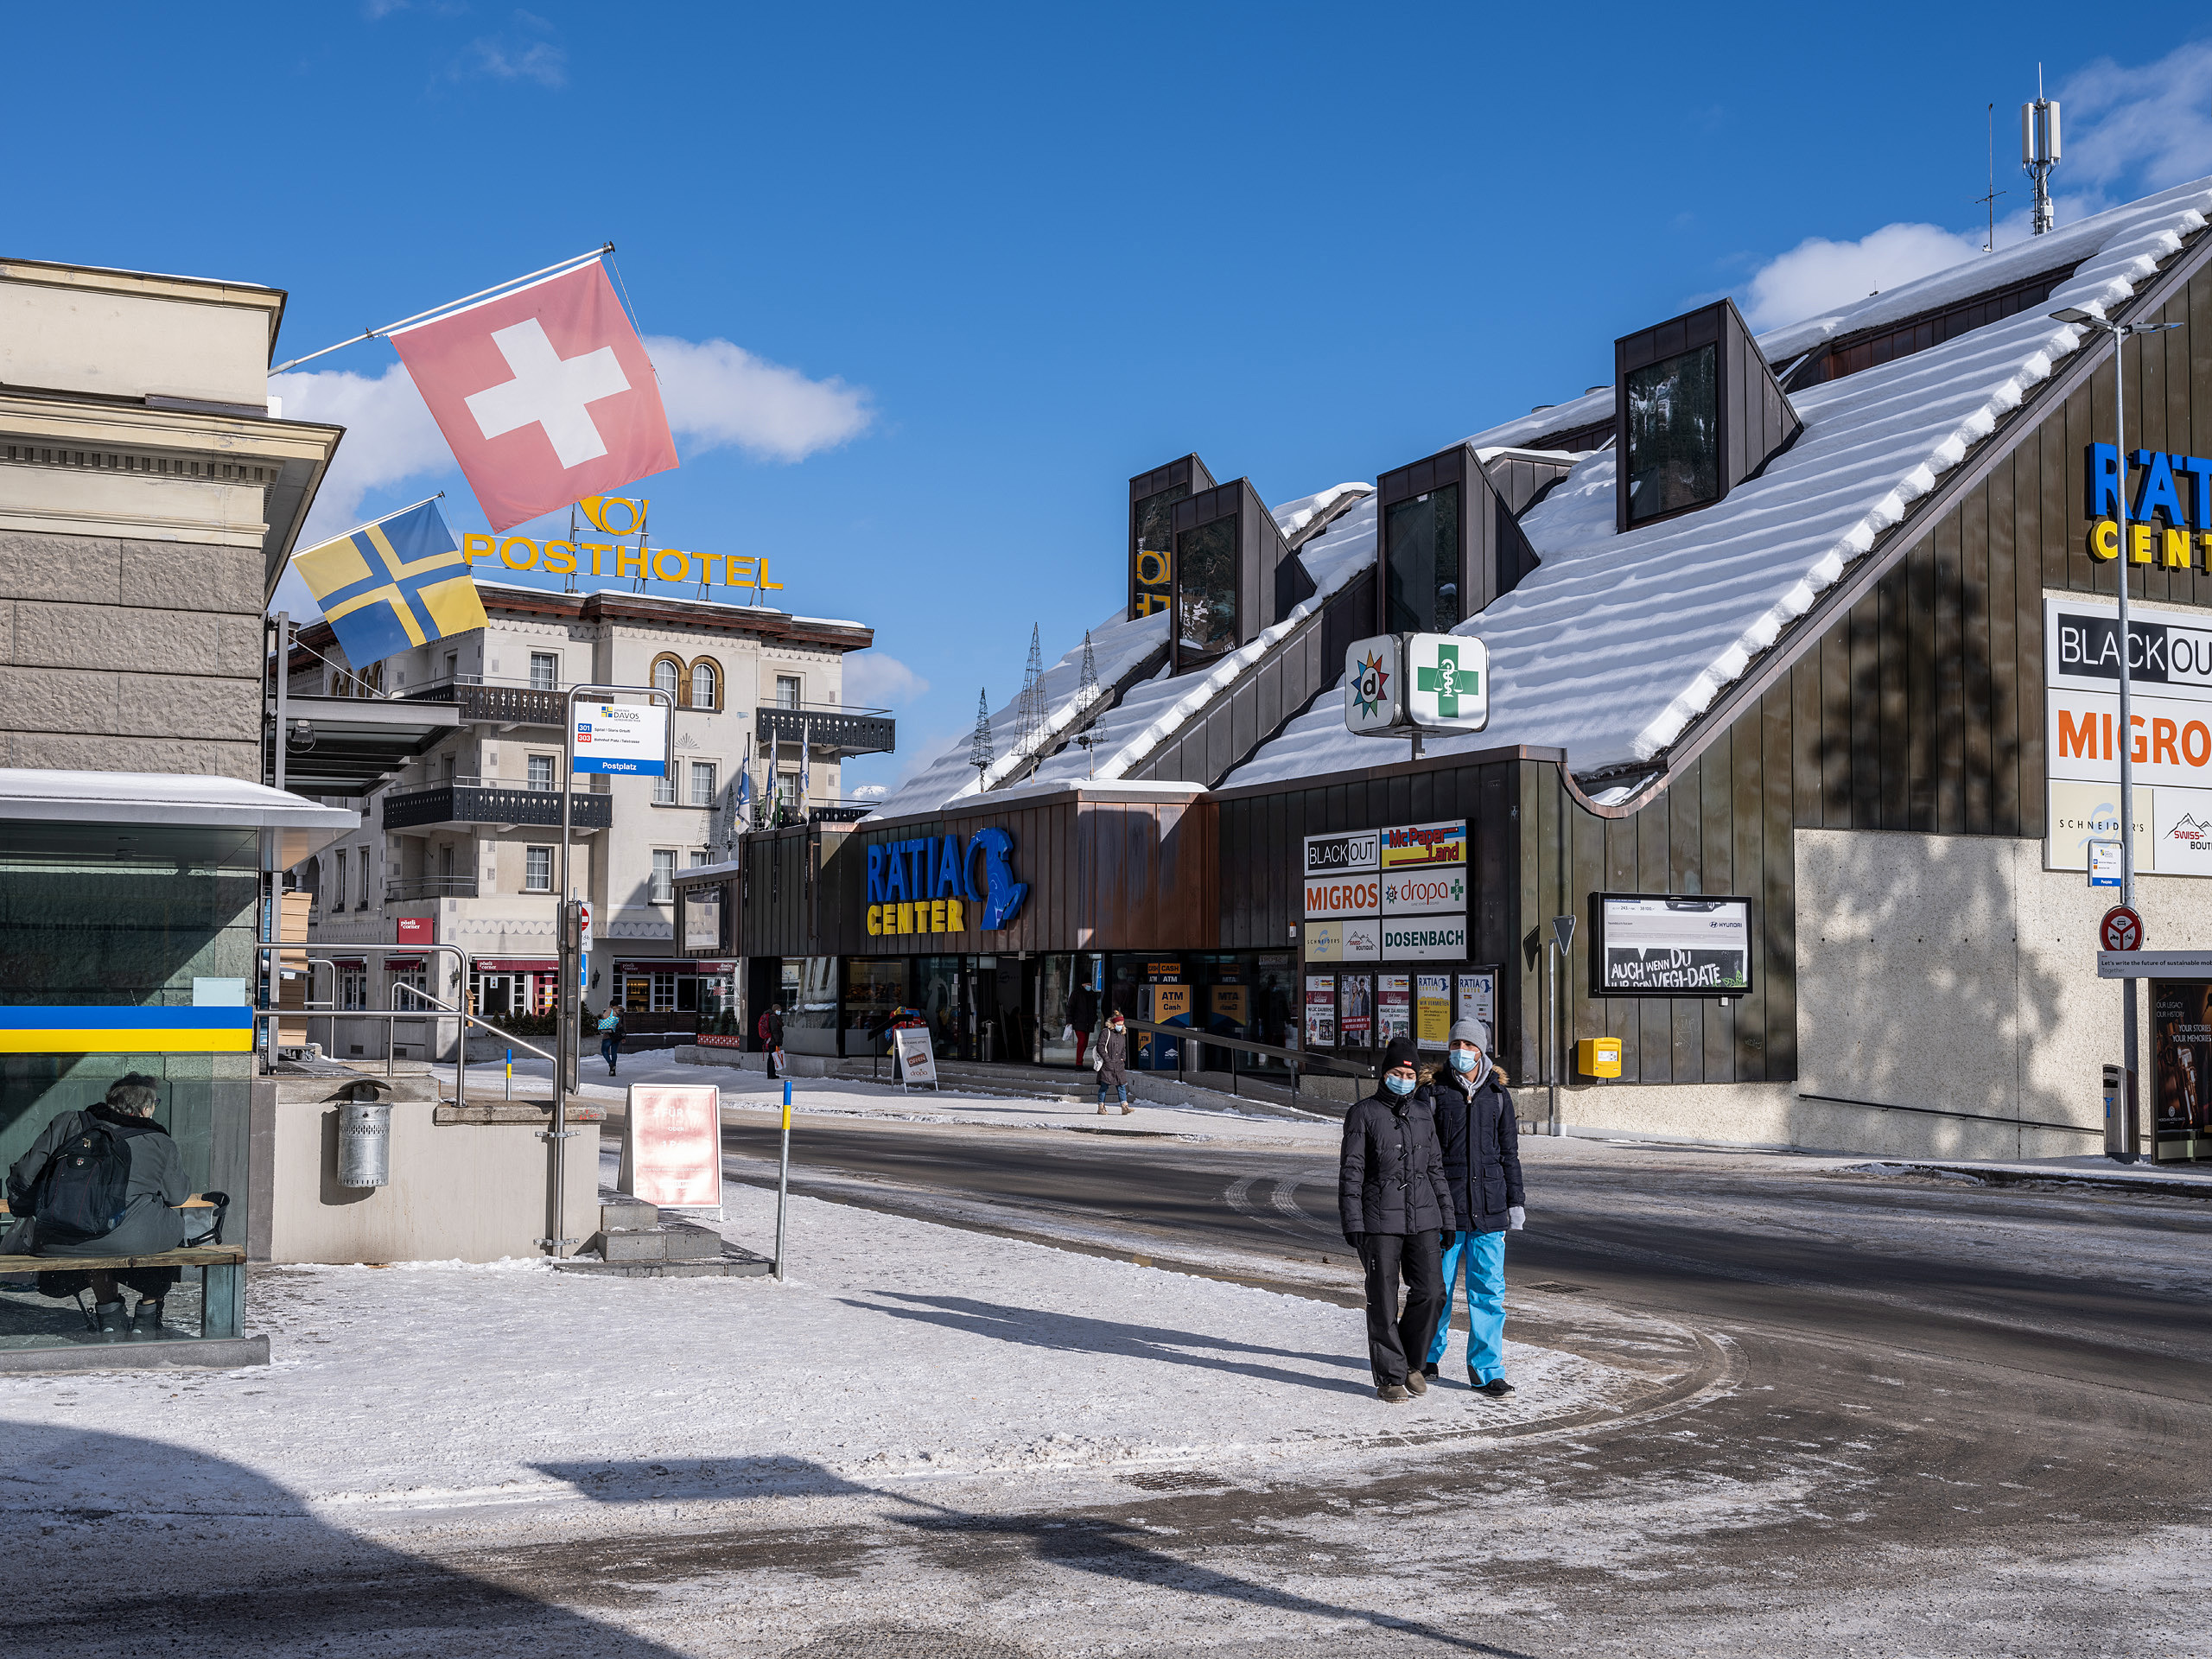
(1111, 1060)
(1395, 1205)
(1482, 1161)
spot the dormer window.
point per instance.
(1420, 571)
(1696, 412)
(1674, 434)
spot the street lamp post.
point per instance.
(2119, 333)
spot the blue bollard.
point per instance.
(787, 1091)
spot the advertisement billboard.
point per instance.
(673, 1146)
(1661, 944)
(2181, 1068)
(1320, 1011)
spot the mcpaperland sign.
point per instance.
(627, 739)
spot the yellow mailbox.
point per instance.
(1599, 1057)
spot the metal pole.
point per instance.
(1551, 1046)
(783, 1180)
(284, 675)
(2127, 735)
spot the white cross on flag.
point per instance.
(545, 395)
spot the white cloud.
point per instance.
(541, 61)
(720, 396)
(2151, 127)
(876, 679)
(1819, 276)
(869, 791)
(390, 437)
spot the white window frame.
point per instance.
(547, 764)
(551, 659)
(664, 789)
(534, 880)
(713, 776)
(661, 888)
(797, 683)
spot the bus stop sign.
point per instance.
(2121, 929)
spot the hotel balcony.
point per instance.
(506, 809)
(490, 704)
(830, 733)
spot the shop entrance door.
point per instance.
(1017, 1000)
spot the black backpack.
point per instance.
(85, 1188)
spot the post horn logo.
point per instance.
(603, 510)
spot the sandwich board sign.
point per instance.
(910, 1045)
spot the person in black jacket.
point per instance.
(1482, 1161)
(1395, 1204)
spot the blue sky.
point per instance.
(975, 266)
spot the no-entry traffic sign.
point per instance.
(2121, 929)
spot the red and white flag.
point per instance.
(545, 395)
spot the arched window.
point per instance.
(668, 676)
(706, 684)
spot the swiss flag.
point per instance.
(546, 395)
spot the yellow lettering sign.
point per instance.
(2177, 549)
(660, 564)
(2104, 539)
(2139, 538)
(507, 553)
(562, 562)
(876, 919)
(955, 920)
(477, 547)
(627, 563)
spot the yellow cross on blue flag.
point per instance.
(397, 582)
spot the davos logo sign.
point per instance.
(930, 883)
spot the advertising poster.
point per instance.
(673, 1146)
(2181, 1065)
(1433, 1010)
(1170, 1005)
(1658, 945)
(702, 920)
(1478, 1000)
(1320, 1011)
(1356, 1010)
(1394, 1007)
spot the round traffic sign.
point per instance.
(2121, 929)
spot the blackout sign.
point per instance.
(1652, 944)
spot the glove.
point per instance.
(1353, 1239)
(1444, 1239)
(1516, 1219)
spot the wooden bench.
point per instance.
(221, 1271)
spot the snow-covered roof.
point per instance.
(1615, 642)
(167, 797)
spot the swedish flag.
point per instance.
(397, 582)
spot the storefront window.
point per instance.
(1674, 434)
(938, 994)
(875, 988)
(1056, 980)
(1422, 567)
(1206, 626)
(817, 1009)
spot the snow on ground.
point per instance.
(897, 1350)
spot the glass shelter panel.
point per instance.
(1674, 434)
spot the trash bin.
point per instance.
(2116, 1112)
(364, 1143)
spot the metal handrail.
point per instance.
(474, 1020)
(1298, 1059)
(262, 947)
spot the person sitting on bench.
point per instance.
(102, 1182)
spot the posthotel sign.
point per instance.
(930, 884)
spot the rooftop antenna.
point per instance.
(1990, 246)
(1029, 712)
(2039, 151)
(568, 581)
(979, 750)
(1086, 693)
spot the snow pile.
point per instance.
(1617, 642)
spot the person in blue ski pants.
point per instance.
(1482, 1161)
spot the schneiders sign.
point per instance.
(1365, 888)
(927, 884)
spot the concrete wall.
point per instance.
(139, 656)
(1946, 971)
(470, 1191)
(66, 330)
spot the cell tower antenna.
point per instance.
(2039, 151)
(1086, 693)
(979, 749)
(1990, 200)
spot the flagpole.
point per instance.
(600, 252)
(373, 523)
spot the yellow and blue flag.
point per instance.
(398, 583)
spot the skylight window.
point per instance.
(1674, 434)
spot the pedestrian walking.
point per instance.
(771, 1037)
(1481, 1142)
(1083, 1014)
(1111, 1062)
(1395, 1206)
(611, 1033)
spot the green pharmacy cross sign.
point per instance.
(1450, 682)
